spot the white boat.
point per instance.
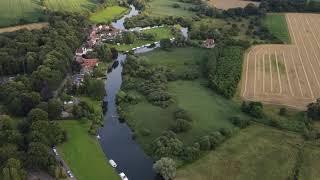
(112, 163)
(98, 136)
(123, 176)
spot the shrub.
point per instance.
(283, 111)
(182, 114)
(205, 143)
(241, 123)
(216, 138)
(254, 109)
(190, 153)
(145, 132)
(167, 145)
(181, 125)
(176, 5)
(166, 167)
(226, 132)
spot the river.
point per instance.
(116, 138)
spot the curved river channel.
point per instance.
(116, 138)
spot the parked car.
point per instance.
(70, 174)
(123, 176)
(112, 163)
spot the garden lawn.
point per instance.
(160, 33)
(83, 153)
(165, 8)
(257, 152)
(13, 11)
(277, 25)
(80, 6)
(107, 14)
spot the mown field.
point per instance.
(257, 152)
(165, 8)
(19, 11)
(71, 5)
(277, 25)
(159, 33)
(107, 14)
(83, 153)
(294, 81)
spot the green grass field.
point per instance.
(71, 5)
(277, 25)
(208, 110)
(178, 59)
(160, 33)
(83, 153)
(106, 15)
(12, 11)
(164, 8)
(311, 162)
(257, 152)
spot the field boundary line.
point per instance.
(287, 74)
(303, 65)
(263, 73)
(247, 69)
(274, 103)
(279, 78)
(306, 51)
(296, 72)
(316, 39)
(271, 85)
(290, 29)
(255, 71)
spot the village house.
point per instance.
(101, 33)
(87, 65)
(82, 51)
(208, 43)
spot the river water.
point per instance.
(116, 138)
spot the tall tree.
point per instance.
(166, 167)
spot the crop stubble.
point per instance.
(286, 74)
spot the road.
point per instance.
(63, 83)
(63, 164)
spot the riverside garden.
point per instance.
(180, 98)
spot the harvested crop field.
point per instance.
(31, 26)
(227, 4)
(286, 74)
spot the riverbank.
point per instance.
(83, 153)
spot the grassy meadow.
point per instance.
(159, 33)
(208, 110)
(277, 25)
(83, 153)
(106, 15)
(257, 152)
(71, 5)
(165, 8)
(13, 12)
(311, 162)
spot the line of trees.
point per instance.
(223, 67)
